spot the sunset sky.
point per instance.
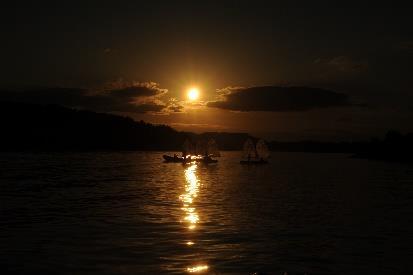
(283, 70)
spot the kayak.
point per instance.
(177, 159)
(173, 159)
(253, 162)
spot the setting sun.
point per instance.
(193, 93)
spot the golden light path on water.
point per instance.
(191, 192)
(191, 217)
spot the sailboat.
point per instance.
(187, 148)
(255, 153)
(212, 148)
(187, 151)
(206, 150)
(201, 148)
(199, 152)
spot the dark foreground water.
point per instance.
(129, 213)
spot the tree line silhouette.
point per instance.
(393, 147)
(33, 127)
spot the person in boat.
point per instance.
(184, 156)
(207, 158)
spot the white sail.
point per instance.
(262, 150)
(213, 148)
(186, 148)
(201, 148)
(249, 149)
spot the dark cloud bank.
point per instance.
(279, 99)
(133, 99)
(145, 97)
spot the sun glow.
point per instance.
(193, 94)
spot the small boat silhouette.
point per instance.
(200, 152)
(255, 153)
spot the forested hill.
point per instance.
(30, 127)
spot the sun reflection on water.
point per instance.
(191, 217)
(191, 192)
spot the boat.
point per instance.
(201, 152)
(187, 148)
(207, 150)
(207, 160)
(186, 154)
(213, 148)
(175, 158)
(255, 153)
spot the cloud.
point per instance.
(134, 91)
(122, 88)
(131, 98)
(278, 99)
(340, 66)
(176, 108)
(346, 64)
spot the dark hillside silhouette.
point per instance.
(394, 147)
(30, 127)
(52, 127)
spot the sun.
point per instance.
(193, 93)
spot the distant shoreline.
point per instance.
(52, 128)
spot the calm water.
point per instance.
(129, 213)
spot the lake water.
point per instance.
(130, 213)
